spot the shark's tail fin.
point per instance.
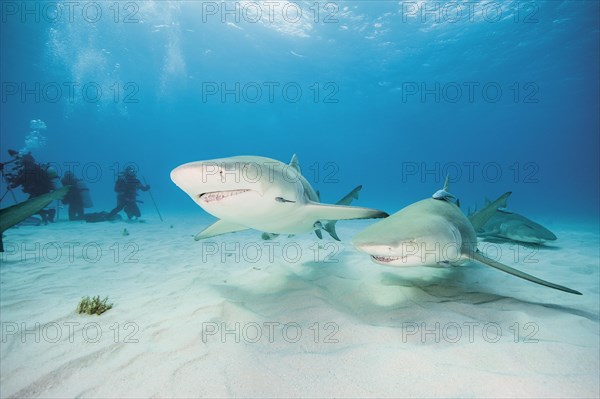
(480, 218)
(347, 200)
(507, 269)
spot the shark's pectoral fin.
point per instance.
(507, 269)
(318, 226)
(218, 228)
(341, 212)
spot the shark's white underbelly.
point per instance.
(279, 218)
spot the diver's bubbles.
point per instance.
(34, 139)
(37, 124)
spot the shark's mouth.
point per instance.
(387, 259)
(220, 195)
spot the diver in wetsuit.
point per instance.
(74, 197)
(35, 179)
(126, 188)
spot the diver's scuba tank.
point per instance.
(86, 198)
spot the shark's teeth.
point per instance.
(219, 195)
(386, 258)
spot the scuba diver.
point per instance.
(34, 178)
(126, 188)
(77, 198)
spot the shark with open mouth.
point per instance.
(435, 232)
(252, 192)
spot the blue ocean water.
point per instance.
(391, 95)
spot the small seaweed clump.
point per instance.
(93, 305)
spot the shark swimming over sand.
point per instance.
(17, 213)
(252, 192)
(434, 232)
(506, 225)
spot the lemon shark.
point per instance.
(252, 192)
(17, 213)
(434, 232)
(506, 225)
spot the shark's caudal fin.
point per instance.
(341, 212)
(480, 218)
(218, 228)
(347, 200)
(21, 211)
(507, 269)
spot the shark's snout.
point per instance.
(198, 177)
(182, 173)
(212, 183)
(372, 246)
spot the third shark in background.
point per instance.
(505, 225)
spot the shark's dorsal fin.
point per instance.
(480, 218)
(447, 184)
(318, 195)
(294, 163)
(352, 195)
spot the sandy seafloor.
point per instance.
(366, 330)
